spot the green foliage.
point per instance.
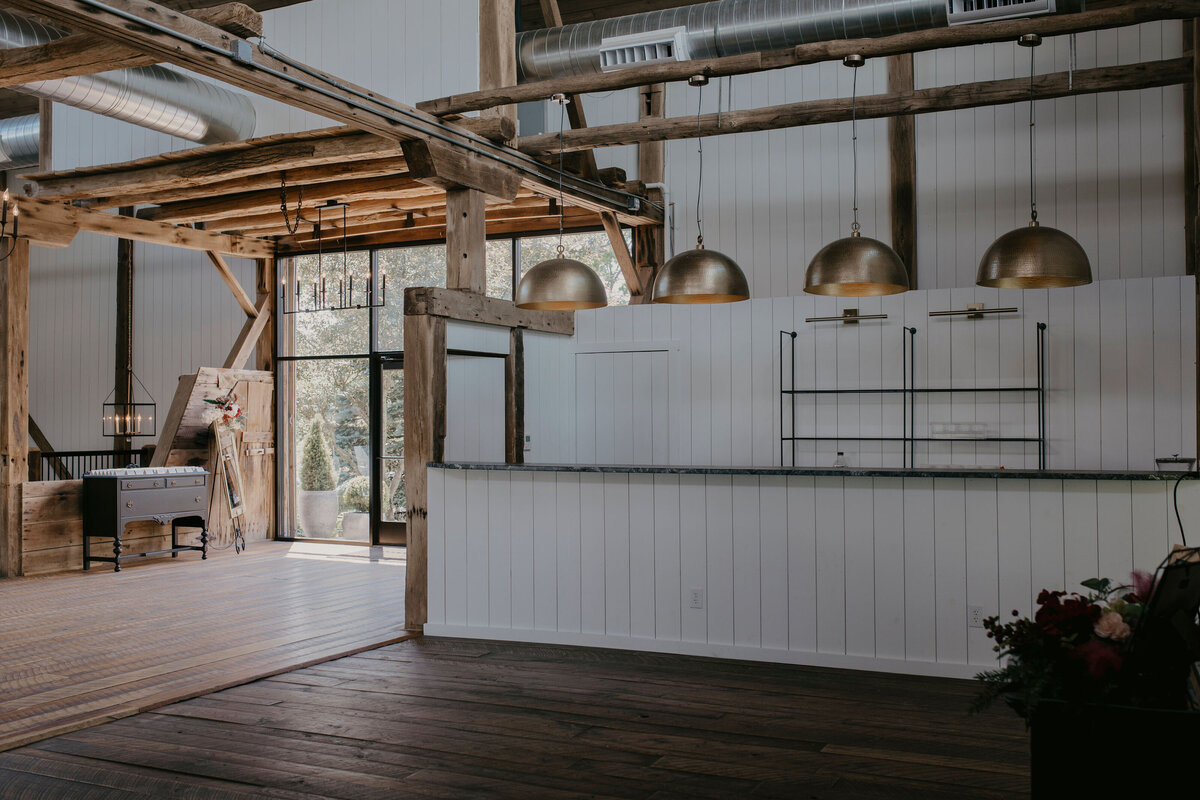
(356, 494)
(316, 462)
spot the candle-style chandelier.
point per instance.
(8, 239)
(130, 418)
(322, 295)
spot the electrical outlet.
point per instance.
(528, 442)
(975, 616)
(696, 598)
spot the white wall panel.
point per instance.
(1120, 380)
(873, 573)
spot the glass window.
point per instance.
(500, 269)
(422, 265)
(592, 249)
(325, 333)
(332, 446)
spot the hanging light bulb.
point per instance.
(1034, 257)
(561, 283)
(700, 275)
(856, 266)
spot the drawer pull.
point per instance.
(129, 504)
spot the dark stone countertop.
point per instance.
(832, 472)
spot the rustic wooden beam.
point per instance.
(902, 145)
(14, 402)
(914, 42)
(43, 443)
(466, 241)
(437, 164)
(1191, 148)
(178, 39)
(46, 137)
(235, 286)
(248, 337)
(616, 240)
(424, 441)
(469, 307)
(87, 54)
(55, 224)
(923, 101)
(123, 368)
(436, 233)
(649, 240)
(215, 207)
(514, 398)
(497, 53)
(584, 162)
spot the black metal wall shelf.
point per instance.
(908, 392)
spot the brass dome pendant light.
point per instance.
(1034, 257)
(856, 266)
(700, 275)
(560, 284)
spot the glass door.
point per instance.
(387, 486)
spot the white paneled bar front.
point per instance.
(871, 573)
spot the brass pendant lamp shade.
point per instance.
(1034, 257)
(700, 276)
(857, 265)
(561, 284)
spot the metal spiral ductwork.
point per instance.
(726, 28)
(154, 97)
(19, 138)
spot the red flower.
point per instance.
(1101, 659)
(1074, 616)
(1143, 585)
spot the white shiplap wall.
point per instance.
(1110, 166)
(851, 572)
(698, 385)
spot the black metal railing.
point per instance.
(65, 465)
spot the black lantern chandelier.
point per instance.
(322, 295)
(8, 240)
(130, 418)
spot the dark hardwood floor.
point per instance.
(441, 718)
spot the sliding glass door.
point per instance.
(388, 500)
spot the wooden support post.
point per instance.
(514, 398)
(249, 337)
(649, 250)
(14, 402)
(123, 368)
(424, 441)
(616, 238)
(902, 144)
(497, 51)
(264, 358)
(466, 240)
(35, 464)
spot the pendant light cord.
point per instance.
(854, 227)
(1032, 155)
(562, 115)
(700, 171)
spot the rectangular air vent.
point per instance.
(963, 12)
(648, 47)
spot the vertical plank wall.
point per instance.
(698, 385)
(856, 572)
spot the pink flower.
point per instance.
(1112, 626)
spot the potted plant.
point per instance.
(1083, 681)
(317, 500)
(356, 506)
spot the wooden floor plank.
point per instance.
(437, 718)
(79, 649)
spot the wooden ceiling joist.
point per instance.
(924, 101)
(917, 41)
(86, 54)
(54, 224)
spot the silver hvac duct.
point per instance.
(726, 28)
(153, 97)
(19, 138)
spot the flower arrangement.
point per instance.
(225, 412)
(1075, 648)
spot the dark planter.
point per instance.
(1076, 750)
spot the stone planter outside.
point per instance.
(316, 514)
(356, 526)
